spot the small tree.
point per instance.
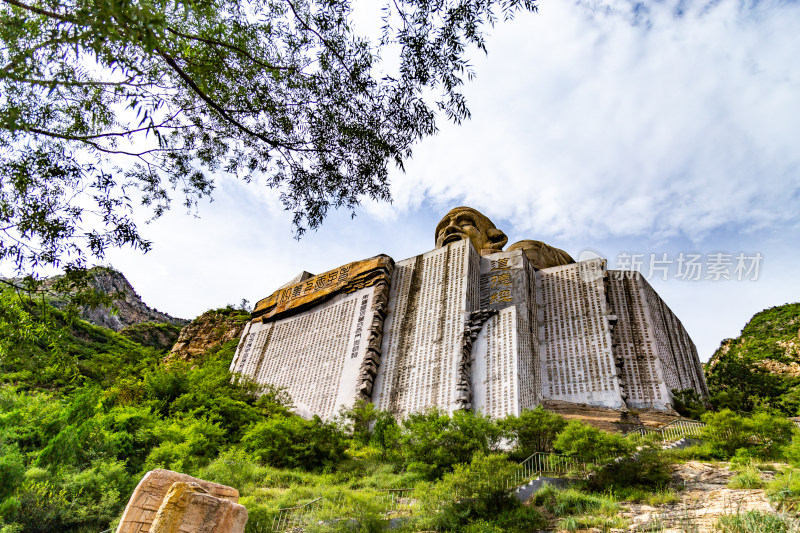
(292, 442)
(591, 445)
(358, 419)
(534, 430)
(432, 442)
(762, 435)
(724, 433)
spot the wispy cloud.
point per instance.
(612, 117)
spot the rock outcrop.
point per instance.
(128, 310)
(762, 364)
(208, 331)
(704, 499)
(170, 502)
(158, 335)
(189, 508)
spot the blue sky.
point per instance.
(655, 127)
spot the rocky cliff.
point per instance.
(209, 331)
(128, 310)
(762, 365)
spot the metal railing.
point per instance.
(675, 430)
(391, 502)
(545, 463)
(539, 463)
(404, 501)
(291, 517)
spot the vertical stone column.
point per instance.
(430, 299)
(577, 360)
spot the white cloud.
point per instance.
(592, 119)
(594, 125)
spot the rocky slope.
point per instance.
(702, 499)
(128, 310)
(762, 365)
(209, 331)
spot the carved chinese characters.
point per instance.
(469, 326)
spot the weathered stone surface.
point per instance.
(465, 223)
(703, 500)
(209, 330)
(189, 508)
(128, 308)
(411, 337)
(149, 494)
(542, 255)
(316, 290)
(609, 419)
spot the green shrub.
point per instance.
(432, 442)
(784, 491)
(97, 494)
(292, 442)
(727, 434)
(533, 431)
(747, 478)
(661, 497)
(590, 445)
(649, 468)
(12, 469)
(40, 507)
(570, 502)
(185, 444)
(753, 522)
(473, 492)
(688, 403)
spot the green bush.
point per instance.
(185, 444)
(475, 493)
(532, 431)
(688, 403)
(571, 502)
(12, 469)
(41, 507)
(784, 491)
(590, 445)
(292, 442)
(747, 478)
(97, 494)
(649, 469)
(432, 442)
(754, 522)
(762, 435)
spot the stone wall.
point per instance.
(430, 297)
(635, 343)
(316, 355)
(577, 361)
(657, 354)
(456, 330)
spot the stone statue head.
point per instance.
(542, 255)
(467, 223)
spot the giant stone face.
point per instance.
(467, 223)
(542, 255)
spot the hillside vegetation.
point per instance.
(761, 367)
(86, 411)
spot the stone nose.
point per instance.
(451, 227)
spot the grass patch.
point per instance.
(604, 523)
(784, 491)
(754, 522)
(748, 477)
(663, 497)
